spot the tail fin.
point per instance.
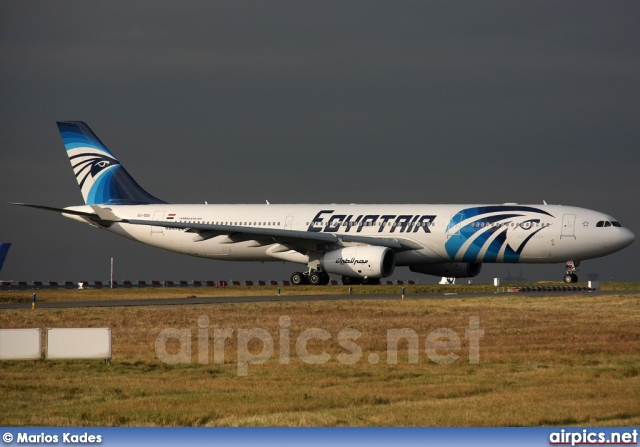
(4, 249)
(102, 179)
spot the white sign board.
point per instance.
(79, 343)
(20, 344)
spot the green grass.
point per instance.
(544, 360)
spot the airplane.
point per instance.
(361, 243)
(4, 249)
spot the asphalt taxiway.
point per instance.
(192, 301)
(188, 301)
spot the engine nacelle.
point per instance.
(449, 269)
(360, 262)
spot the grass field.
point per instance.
(567, 359)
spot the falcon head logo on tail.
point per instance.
(102, 179)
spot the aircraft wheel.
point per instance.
(371, 281)
(350, 281)
(315, 279)
(297, 279)
(325, 279)
(570, 277)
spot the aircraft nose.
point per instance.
(626, 237)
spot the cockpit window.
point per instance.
(606, 223)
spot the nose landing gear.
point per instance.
(570, 275)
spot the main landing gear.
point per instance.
(320, 278)
(572, 267)
(313, 277)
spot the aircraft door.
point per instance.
(157, 231)
(288, 225)
(454, 225)
(568, 226)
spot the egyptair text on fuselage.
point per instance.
(327, 222)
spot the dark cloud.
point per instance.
(411, 102)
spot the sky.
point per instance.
(316, 102)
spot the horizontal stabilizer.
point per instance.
(57, 210)
(106, 219)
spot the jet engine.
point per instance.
(449, 269)
(360, 262)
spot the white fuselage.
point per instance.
(436, 233)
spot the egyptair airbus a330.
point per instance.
(361, 243)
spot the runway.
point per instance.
(193, 301)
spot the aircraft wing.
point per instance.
(303, 240)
